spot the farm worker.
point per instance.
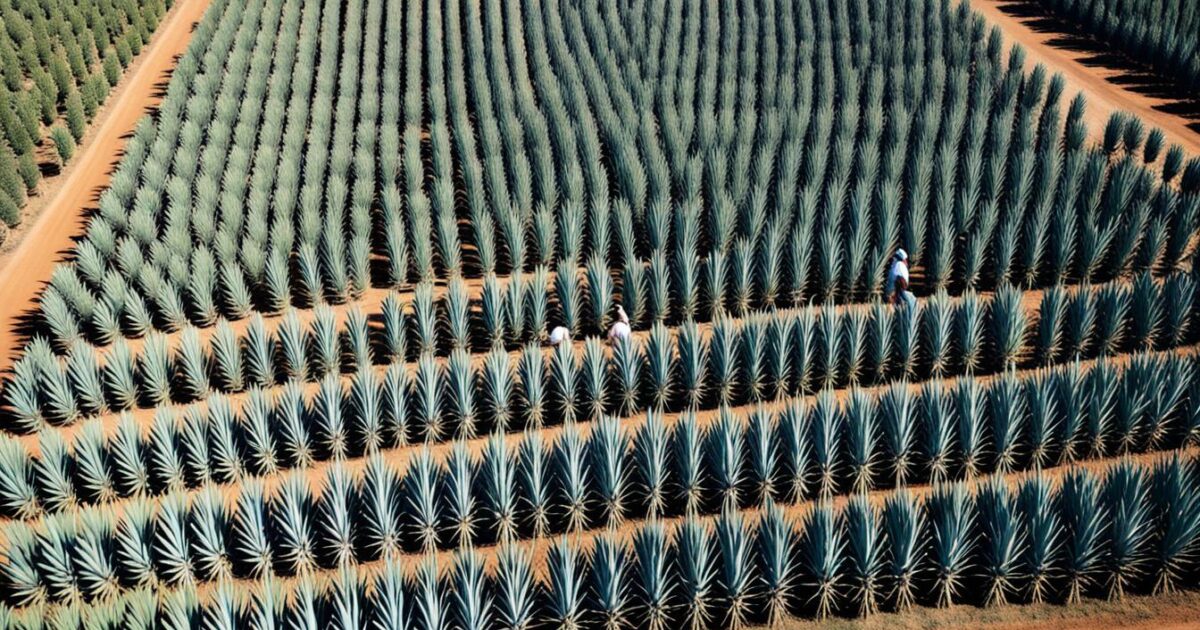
(896, 288)
(620, 328)
(560, 335)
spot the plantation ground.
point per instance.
(22, 275)
(1101, 83)
(56, 216)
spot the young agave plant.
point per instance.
(458, 489)
(862, 442)
(535, 479)
(421, 493)
(564, 382)
(206, 535)
(515, 590)
(904, 527)
(593, 379)
(1004, 542)
(292, 511)
(1177, 510)
(654, 587)
(627, 370)
(567, 588)
(573, 475)
(472, 606)
(723, 360)
(826, 422)
(938, 325)
(970, 401)
(461, 385)
(724, 444)
(1127, 493)
(610, 470)
(822, 556)
(866, 560)
(532, 372)
(776, 545)
(697, 565)
(250, 549)
(1006, 406)
(688, 451)
(692, 364)
(497, 387)
(430, 610)
(952, 519)
(970, 316)
(610, 573)
(1039, 512)
(660, 363)
(762, 458)
(428, 397)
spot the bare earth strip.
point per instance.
(1100, 84)
(29, 266)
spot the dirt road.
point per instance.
(50, 237)
(1102, 85)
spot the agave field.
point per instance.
(296, 373)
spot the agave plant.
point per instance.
(653, 592)
(952, 526)
(1127, 493)
(534, 475)
(698, 569)
(249, 547)
(531, 370)
(567, 586)
(822, 549)
(1003, 542)
(515, 590)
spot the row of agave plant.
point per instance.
(943, 431)
(536, 488)
(764, 356)
(1131, 528)
(160, 254)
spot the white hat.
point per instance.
(901, 254)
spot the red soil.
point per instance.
(49, 238)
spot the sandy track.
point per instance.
(1100, 84)
(51, 236)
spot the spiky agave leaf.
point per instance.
(866, 560)
(430, 609)
(498, 473)
(83, 371)
(904, 527)
(458, 489)
(564, 381)
(1127, 493)
(692, 364)
(397, 391)
(172, 559)
(389, 604)
(515, 589)
(258, 434)
(250, 549)
(18, 494)
(335, 517)
(92, 469)
(461, 385)
(752, 359)
(567, 586)
(610, 471)
(610, 577)
(660, 363)
(970, 404)
(593, 379)
(1039, 511)
(421, 493)
(53, 473)
(826, 422)
(227, 358)
(19, 571)
(1006, 406)
(259, 353)
(207, 523)
(724, 445)
(952, 516)
(1177, 511)
(1102, 402)
(862, 442)
(698, 566)
(532, 372)
(1003, 540)
(762, 457)
(688, 452)
(497, 387)
(132, 543)
(224, 445)
(723, 360)
(776, 549)
(292, 513)
(429, 394)
(822, 556)
(627, 360)
(792, 431)
(573, 475)
(535, 476)
(971, 321)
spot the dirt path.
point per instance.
(29, 266)
(1104, 85)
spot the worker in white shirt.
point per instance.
(560, 335)
(620, 328)
(896, 288)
